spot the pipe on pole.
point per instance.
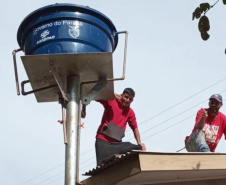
(72, 122)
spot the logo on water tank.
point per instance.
(44, 37)
(44, 34)
(73, 31)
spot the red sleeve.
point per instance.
(224, 127)
(225, 130)
(198, 116)
(197, 119)
(132, 120)
(103, 102)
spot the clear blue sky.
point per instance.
(167, 63)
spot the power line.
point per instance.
(185, 147)
(171, 125)
(49, 171)
(59, 174)
(171, 118)
(88, 165)
(182, 101)
(148, 136)
(143, 123)
(87, 151)
(180, 149)
(176, 115)
(143, 139)
(41, 174)
(171, 107)
(87, 160)
(156, 133)
(49, 178)
(168, 127)
(55, 180)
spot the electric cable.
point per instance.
(87, 151)
(141, 124)
(143, 139)
(157, 125)
(88, 165)
(171, 125)
(156, 133)
(167, 127)
(182, 101)
(171, 107)
(55, 180)
(180, 149)
(41, 174)
(49, 178)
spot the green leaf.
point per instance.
(198, 10)
(197, 13)
(204, 6)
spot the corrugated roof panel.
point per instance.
(110, 162)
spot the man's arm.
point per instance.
(118, 96)
(137, 137)
(201, 123)
(83, 111)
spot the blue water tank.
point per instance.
(66, 28)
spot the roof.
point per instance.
(110, 162)
(139, 167)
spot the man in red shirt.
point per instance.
(209, 127)
(117, 113)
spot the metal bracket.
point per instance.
(57, 78)
(36, 90)
(63, 103)
(93, 92)
(124, 62)
(15, 69)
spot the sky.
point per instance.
(172, 70)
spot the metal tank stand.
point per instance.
(72, 117)
(71, 78)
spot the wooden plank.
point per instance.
(204, 182)
(148, 168)
(155, 162)
(167, 177)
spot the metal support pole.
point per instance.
(72, 121)
(64, 122)
(78, 145)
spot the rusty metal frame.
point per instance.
(36, 90)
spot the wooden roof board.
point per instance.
(163, 177)
(158, 168)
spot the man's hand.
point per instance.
(83, 114)
(201, 123)
(204, 114)
(143, 146)
(118, 97)
(83, 111)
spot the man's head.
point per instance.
(127, 97)
(215, 103)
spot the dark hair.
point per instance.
(129, 91)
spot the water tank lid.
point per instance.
(63, 7)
